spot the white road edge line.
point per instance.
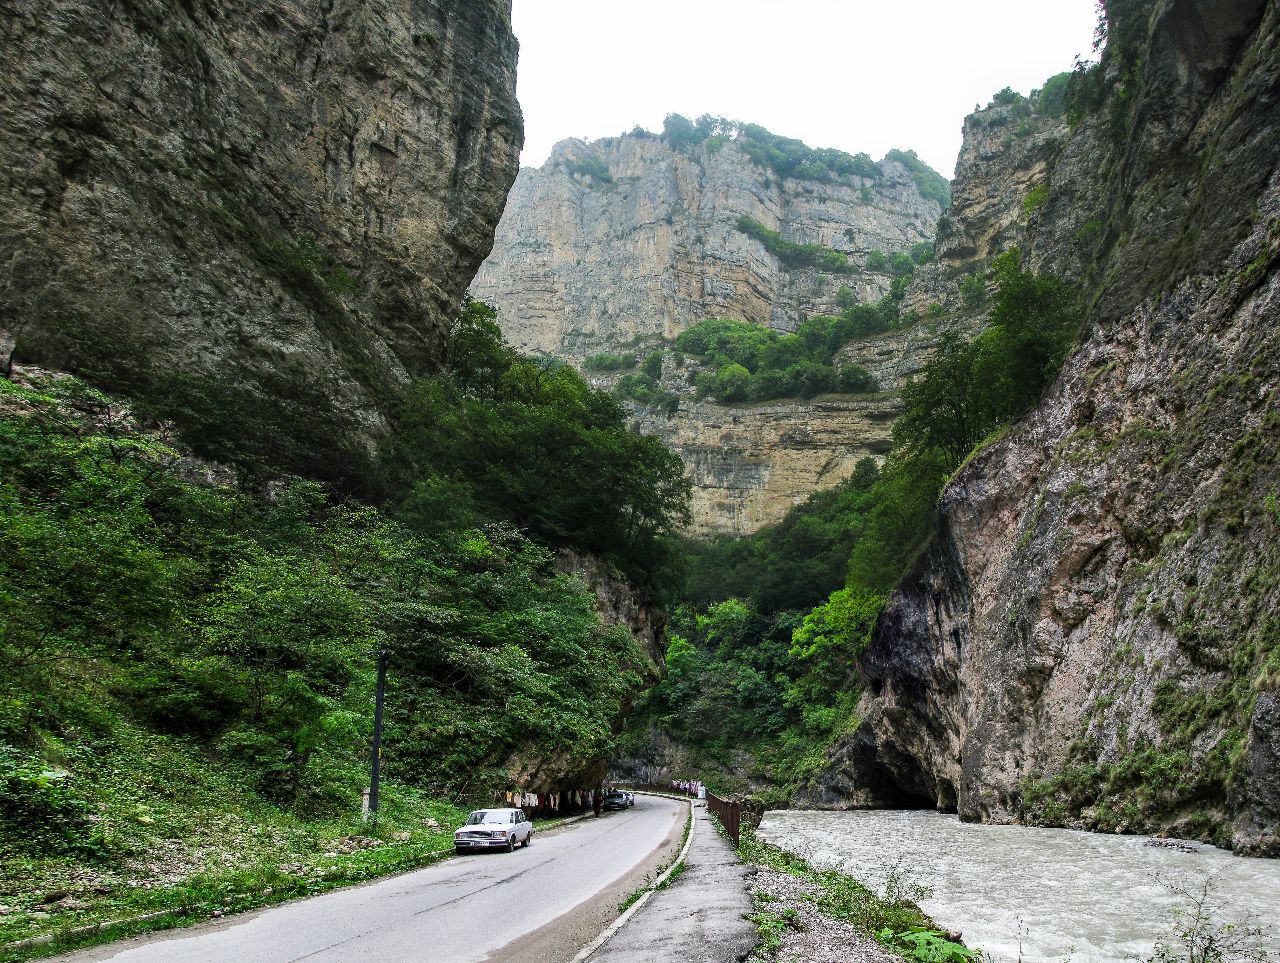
(586, 952)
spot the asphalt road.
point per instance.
(458, 911)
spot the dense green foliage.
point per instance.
(753, 363)
(607, 361)
(792, 565)
(780, 684)
(189, 646)
(730, 661)
(249, 624)
(502, 436)
(969, 389)
(788, 157)
(1051, 99)
(166, 830)
(644, 389)
(784, 156)
(793, 255)
(973, 290)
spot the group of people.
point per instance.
(687, 787)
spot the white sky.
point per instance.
(852, 74)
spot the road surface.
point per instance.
(548, 899)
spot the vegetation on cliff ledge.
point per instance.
(788, 157)
(761, 660)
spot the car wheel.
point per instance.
(528, 839)
(511, 843)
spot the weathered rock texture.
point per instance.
(584, 264)
(1094, 636)
(751, 464)
(259, 217)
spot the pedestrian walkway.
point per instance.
(699, 918)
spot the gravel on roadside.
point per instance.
(813, 937)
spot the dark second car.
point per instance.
(615, 799)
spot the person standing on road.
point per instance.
(596, 802)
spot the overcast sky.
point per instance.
(860, 76)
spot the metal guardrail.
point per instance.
(730, 814)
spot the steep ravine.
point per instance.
(1091, 638)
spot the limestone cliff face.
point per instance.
(751, 464)
(622, 244)
(1092, 639)
(582, 264)
(259, 216)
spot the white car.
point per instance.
(492, 829)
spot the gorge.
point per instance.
(1087, 636)
(694, 453)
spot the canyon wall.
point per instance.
(258, 219)
(649, 243)
(621, 244)
(1092, 637)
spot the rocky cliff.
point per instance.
(631, 240)
(1092, 637)
(751, 464)
(621, 244)
(257, 217)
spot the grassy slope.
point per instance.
(190, 836)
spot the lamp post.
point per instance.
(376, 774)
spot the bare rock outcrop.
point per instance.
(1092, 639)
(257, 218)
(621, 244)
(629, 240)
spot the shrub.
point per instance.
(1052, 97)
(39, 808)
(589, 166)
(1035, 198)
(973, 290)
(922, 253)
(755, 363)
(653, 365)
(932, 185)
(794, 255)
(606, 361)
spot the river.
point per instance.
(1035, 894)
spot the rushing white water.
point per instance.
(1035, 894)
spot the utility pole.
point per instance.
(376, 774)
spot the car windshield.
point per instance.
(489, 816)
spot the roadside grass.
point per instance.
(177, 836)
(893, 919)
(771, 927)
